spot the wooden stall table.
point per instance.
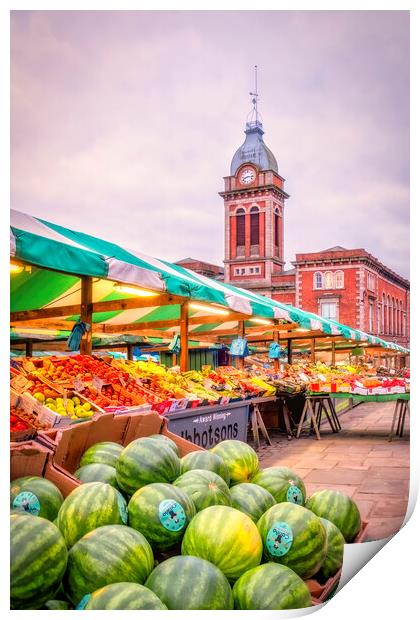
(402, 407)
(315, 405)
(256, 421)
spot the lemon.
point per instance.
(86, 406)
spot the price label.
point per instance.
(20, 384)
(97, 383)
(281, 367)
(322, 378)
(303, 377)
(122, 380)
(78, 385)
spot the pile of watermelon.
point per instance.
(147, 529)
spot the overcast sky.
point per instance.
(124, 124)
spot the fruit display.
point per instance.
(21, 420)
(184, 541)
(36, 569)
(205, 488)
(88, 507)
(72, 406)
(226, 537)
(37, 496)
(162, 512)
(189, 582)
(124, 595)
(108, 554)
(271, 586)
(294, 536)
(337, 508)
(203, 459)
(283, 484)
(251, 499)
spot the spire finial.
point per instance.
(254, 119)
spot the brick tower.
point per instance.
(254, 201)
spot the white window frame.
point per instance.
(337, 283)
(315, 280)
(329, 302)
(328, 273)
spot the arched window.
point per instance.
(255, 226)
(394, 316)
(379, 320)
(328, 280)
(401, 318)
(339, 279)
(276, 228)
(240, 228)
(390, 325)
(317, 279)
(384, 317)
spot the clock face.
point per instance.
(247, 176)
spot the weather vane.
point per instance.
(254, 95)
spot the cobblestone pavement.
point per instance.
(358, 461)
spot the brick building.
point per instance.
(347, 285)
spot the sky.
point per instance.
(124, 123)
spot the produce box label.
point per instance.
(171, 515)
(28, 502)
(83, 602)
(279, 539)
(294, 495)
(122, 507)
(209, 428)
(19, 383)
(78, 385)
(97, 383)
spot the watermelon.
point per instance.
(240, 459)
(283, 484)
(203, 459)
(106, 452)
(205, 488)
(145, 461)
(335, 549)
(188, 582)
(89, 506)
(338, 508)
(57, 605)
(161, 512)
(271, 586)
(97, 472)
(295, 537)
(122, 595)
(38, 559)
(226, 537)
(109, 554)
(36, 496)
(169, 442)
(251, 499)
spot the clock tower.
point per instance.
(254, 200)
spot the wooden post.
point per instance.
(241, 334)
(174, 359)
(183, 363)
(333, 352)
(28, 348)
(130, 351)
(289, 351)
(313, 350)
(86, 314)
(276, 338)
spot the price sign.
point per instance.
(322, 378)
(122, 380)
(303, 377)
(78, 385)
(97, 383)
(20, 384)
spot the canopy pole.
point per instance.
(313, 350)
(28, 348)
(276, 339)
(289, 351)
(86, 315)
(241, 334)
(183, 333)
(129, 351)
(333, 352)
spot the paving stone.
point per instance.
(385, 487)
(390, 473)
(390, 507)
(312, 487)
(336, 476)
(388, 462)
(383, 527)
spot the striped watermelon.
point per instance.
(89, 506)
(205, 488)
(37, 496)
(123, 596)
(251, 499)
(161, 512)
(240, 459)
(203, 459)
(283, 484)
(57, 605)
(338, 508)
(38, 559)
(169, 442)
(271, 586)
(295, 537)
(335, 550)
(109, 554)
(188, 582)
(145, 461)
(226, 537)
(106, 452)
(97, 472)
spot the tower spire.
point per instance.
(254, 119)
